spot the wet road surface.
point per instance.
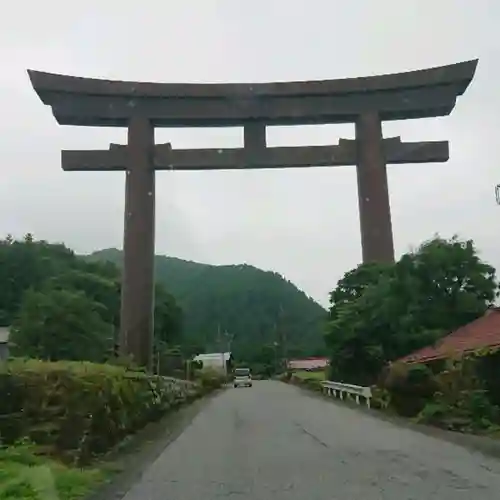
(273, 442)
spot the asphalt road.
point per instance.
(273, 442)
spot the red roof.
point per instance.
(480, 333)
(308, 363)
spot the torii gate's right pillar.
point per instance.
(373, 192)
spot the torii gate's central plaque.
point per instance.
(140, 107)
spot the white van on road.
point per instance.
(242, 377)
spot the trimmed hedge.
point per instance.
(210, 379)
(76, 410)
(410, 387)
(311, 383)
(459, 397)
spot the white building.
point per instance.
(215, 360)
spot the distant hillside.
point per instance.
(251, 304)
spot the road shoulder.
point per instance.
(482, 444)
(133, 457)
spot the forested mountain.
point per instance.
(255, 307)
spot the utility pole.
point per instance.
(285, 350)
(224, 346)
(229, 340)
(221, 350)
(276, 344)
(281, 338)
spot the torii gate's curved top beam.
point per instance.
(94, 102)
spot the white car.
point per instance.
(242, 377)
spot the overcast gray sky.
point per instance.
(303, 224)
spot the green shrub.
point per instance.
(285, 377)
(462, 402)
(457, 398)
(211, 379)
(23, 472)
(380, 398)
(471, 412)
(309, 382)
(314, 384)
(409, 387)
(79, 409)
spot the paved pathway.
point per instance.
(273, 442)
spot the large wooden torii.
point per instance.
(141, 107)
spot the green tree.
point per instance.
(100, 289)
(40, 266)
(424, 296)
(27, 264)
(454, 285)
(105, 290)
(168, 318)
(61, 324)
(354, 282)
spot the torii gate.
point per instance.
(143, 106)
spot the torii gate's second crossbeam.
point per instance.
(167, 158)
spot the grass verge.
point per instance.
(303, 374)
(25, 474)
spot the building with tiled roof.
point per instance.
(313, 363)
(481, 333)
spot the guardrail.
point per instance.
(349, 391)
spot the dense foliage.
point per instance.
(79, 409)
(63, 307)
(255, 307)
(380, 313)
(23, 469)
(456, 394)
(263, 361)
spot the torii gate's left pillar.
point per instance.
(137, 295)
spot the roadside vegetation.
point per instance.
(60, 419)
(380, 313)
(311, 375)
(25, 474)
(66, 399)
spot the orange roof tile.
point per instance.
(480, 333)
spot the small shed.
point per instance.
(215, 360)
